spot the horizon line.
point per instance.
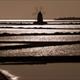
(33, 20)
(25, 19)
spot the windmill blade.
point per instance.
(35, 11)
(42, 10)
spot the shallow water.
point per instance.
(41, 38)
(55, 71)
(61, 50)
(20, 31)
(73, 49)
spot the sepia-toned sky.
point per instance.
(27, 9)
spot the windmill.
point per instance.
(39, 9)
(39, 13)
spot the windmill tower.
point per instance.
(40, 19)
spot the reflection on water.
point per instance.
(19, 31)
(72, 49)
(44, 51)
(55, 71)
(42, 38)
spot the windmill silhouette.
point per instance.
(40, 17)
(38, 9)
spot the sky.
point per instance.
(27, 9)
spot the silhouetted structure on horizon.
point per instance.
(40, 19)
